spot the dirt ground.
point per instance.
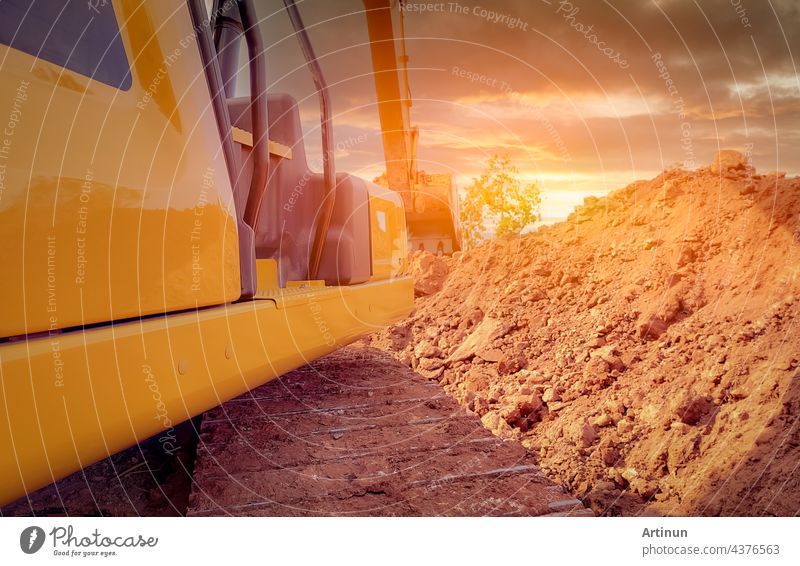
(646, 349)
(357, 433)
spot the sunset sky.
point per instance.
(585, 96)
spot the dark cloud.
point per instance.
(547, 92)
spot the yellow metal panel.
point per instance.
(266, 274)
(115, 203)
(388, 233)
(72, 399)
(246, 138)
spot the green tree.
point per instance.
(499, 196)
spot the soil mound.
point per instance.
(646, 348)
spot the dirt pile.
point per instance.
(430, 272)
(646, 348)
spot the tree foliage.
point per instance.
(498, 198)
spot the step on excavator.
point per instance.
(166, 245)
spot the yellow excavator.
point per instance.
(166, 245)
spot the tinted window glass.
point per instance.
(79, 35)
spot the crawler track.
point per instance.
(358, 433)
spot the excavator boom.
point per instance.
(394, 102)
(431, 201)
